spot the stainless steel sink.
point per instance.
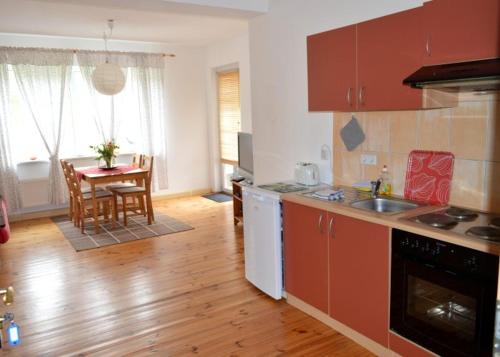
(385, 205)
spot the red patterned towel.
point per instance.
(428, 176)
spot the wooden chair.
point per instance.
(138, 192)
(83, 202)
(138, 162)
(71, 210)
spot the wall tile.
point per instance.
(347, 167)
(492, 199)
(434, 130)
(468, 184)
(372, 172)
(493, 132)
(403, 137)
(397, 169)
(377, 129)
(469, 130)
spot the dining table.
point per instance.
(97, 175)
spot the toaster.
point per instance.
(306, 173)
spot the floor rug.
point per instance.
(219, 197)
(136, 229)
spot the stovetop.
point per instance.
(284, 187)
(465, 222)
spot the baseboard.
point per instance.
(47, 213)
(360, 339)
(166, 196)
(37, 214)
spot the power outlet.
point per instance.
(367, 159)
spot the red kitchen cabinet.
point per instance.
(339, 265)
(359, 276)
(306, 254)
(361, 67)
(461, 30)
(331, 70)
(389, 50)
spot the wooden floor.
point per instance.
(180, 295)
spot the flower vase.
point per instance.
(107, 163)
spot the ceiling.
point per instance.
(186, 22)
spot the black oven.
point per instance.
(443, 296)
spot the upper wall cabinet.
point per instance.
(461, 30)
(389, 49)
(361, 67)
(331, 68)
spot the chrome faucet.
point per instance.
(376, 187)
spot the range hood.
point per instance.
(483, 75)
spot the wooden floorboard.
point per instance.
(182, 294)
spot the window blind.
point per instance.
(229, 115)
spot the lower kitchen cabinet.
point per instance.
(339, 265)
(359, 276)
(306, 254)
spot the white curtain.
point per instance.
(149, 84)
(146, 80)
(43, 78)
(104, 127)
(8, 179)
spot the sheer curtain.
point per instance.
(8, 179)
(142, 124)
(43, 77)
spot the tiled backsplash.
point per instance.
(471, 131)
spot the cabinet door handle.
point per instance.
(320, 220)
(348, 96)
(428, 46)
(361, 95)
(330, 227)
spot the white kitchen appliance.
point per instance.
(306, 173)
(262, 239)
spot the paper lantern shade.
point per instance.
(108, 79)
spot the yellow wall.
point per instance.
(471, 131)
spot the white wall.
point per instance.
(284, 131)
(186, 116)
(233, 53)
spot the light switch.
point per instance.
(368, 159)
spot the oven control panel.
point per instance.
(454, 257)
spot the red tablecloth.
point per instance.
(121, 169)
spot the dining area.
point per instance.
(106, 196)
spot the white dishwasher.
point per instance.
(263, 241)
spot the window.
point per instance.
(228, 84)
(117, 117)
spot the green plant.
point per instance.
(106, 152)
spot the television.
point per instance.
(245, 153)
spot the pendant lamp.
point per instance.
(108, 78)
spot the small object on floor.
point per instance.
(136, 229)
(219, 197)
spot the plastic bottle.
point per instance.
(386, 185)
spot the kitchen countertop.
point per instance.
(397, 220)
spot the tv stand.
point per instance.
(238, 202)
